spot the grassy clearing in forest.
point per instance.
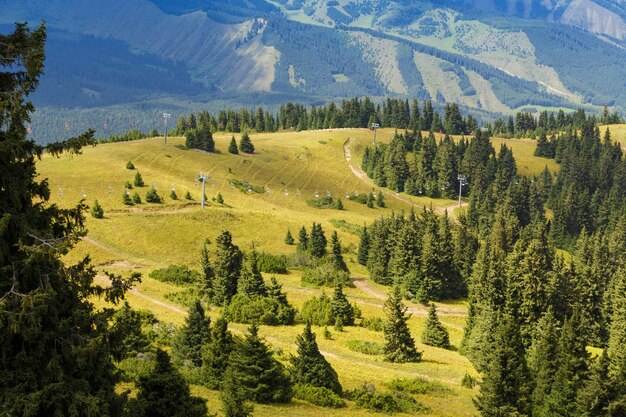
(292, 168)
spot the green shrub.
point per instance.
(272, 264)
(126, 199)
(325, 275)
(468, 381)
(186, 297)
(416, 386)
(374, 323)
(351, 228)
(318, 311)
(366, 347)
(322, 202)
(175, 274)
(128, 185)
(259, 310)
(246, 186)
(318, 395)
(137, 366)
(130, 165)
(383, 402)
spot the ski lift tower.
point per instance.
(374, 127)
(166, 116)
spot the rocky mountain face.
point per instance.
(493, 56)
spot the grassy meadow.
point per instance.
(292, 168)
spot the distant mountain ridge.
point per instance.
(492, 56)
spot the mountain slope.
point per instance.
(491, 55)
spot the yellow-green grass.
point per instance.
(618, 133)
(293, 167)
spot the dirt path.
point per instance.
(449, 311)
(359, 173)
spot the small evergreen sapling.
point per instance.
(97, 211)
(152, 196)
(136, 198)
(138, 181)
(232, 148)
(435, 334)
(130, 165)
(380, 201)
(126, 199)
(173, 194)
(220, 199)
(288, 238)
(188, 196)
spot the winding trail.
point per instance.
(359, 173)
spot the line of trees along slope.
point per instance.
(532, 313)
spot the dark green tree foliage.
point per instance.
(195, 333)
(245, 144)
(342, 310)
(364, 247)
(136, 198)
(289, 239)
(317, 246)
(435, 334)
(126, 333)
(572, 368)
(164, 393)
(173, 194)
(130, 165)
(56, 356)
(152, 196)
(303, 240)
(310, 367)
(254, 368)
(138, 181)
(215, 354)
(97, 212)
(595, 397)
(336, 256)
(232, 147)
(251, 282)
(399, 345)
(542, 362)
(396, 166)
(234, 397)
(200, 138)
(126, 199)
(380, 200)
(227, 268)
(505, 390)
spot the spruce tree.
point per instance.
(126, 333)
(215, 354)
(232, 147)
(233, 397)
(303, 240)
(97, 212)
(173, 194)
(245, 144)
(595, 397)
(336, 256)
(56, 354)
(195, 333)
(251, 282)
(399, 345)
(227, 267)
(380, 200)
(571, 370)
(288, 238)
(138, 181)
(435, 334)
(341, 308)
(542, 361)
(505, 390)
(364, 246)
(219, 199)
(254, 368)
(310, 367)
(152, 196)
(317, 246)
(339, 204)
(136, 198)
(165, 393)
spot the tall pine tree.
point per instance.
(399, 345)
